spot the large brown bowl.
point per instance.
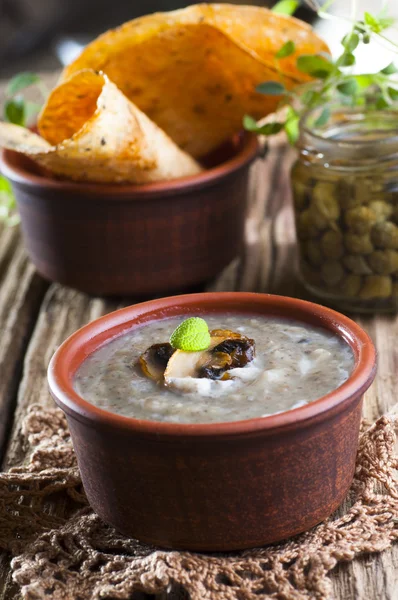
(135, 240)
(218, 486)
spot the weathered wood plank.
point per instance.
(21, 291)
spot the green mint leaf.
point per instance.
(192, 335)
(314, 65)
(348, 87)
(285, 7)
(271, 88)
(350, 41)
(286, 50)
(14, 111)
(389, 69)
(20, 82)
(323, 117)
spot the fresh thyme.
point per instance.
(332, 79)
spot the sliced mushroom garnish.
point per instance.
(154, 360)
(227, 350)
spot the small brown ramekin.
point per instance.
(138, 240)
(218, 486)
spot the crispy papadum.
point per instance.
(93, 133)
(194, 71)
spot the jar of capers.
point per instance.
(345, 191)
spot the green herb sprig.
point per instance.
(19, 111)
(332, 79)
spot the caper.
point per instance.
(363, 194)
(360, 219)
(357, 264)
(305, 225)
(300, 195)
(384, 262)
(376, 286)
(382, 210)
(350, 285)
(385, 235)
(358, 244)
(332, 244)
(347, 195)
(313, 253)
(332, 272)
(324, 200)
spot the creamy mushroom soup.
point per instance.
(255, 367)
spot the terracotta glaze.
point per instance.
(218, 486)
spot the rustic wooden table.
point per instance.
(36, 316)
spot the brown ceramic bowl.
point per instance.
(219, 486)
(135, 240)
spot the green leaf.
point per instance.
(292, 125)
(386, 23)
(346, 60)
(371, 21)
(393, 93)
(7, 203)
(272, 88)
(314, 65)
(20, 82)
(389, 69)
(348, 87)
(285, 7)
(14, 111)
(271, 128)
(5, 185)
(350, 41)
(286, 50)
(323, 117)
(31, 111)
(250, 124)
(381, 103)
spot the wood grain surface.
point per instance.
(35, 317)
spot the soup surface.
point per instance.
(294, 364)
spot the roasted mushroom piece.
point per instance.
(227, 350)
(154, 360)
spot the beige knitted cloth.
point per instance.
(78, 557)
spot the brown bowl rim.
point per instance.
(60, 373)
(247, 153)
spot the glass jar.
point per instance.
(345, 191)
